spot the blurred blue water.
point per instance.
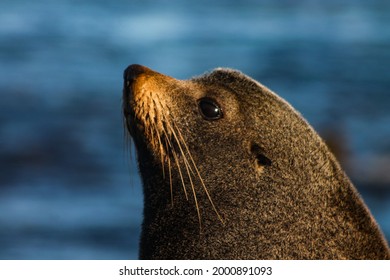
(68, 187)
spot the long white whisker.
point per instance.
(200, 177)
(189, 171)
(177, 163)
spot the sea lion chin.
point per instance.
(231, 171)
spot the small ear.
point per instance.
(261, 159)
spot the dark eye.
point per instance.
(209, 109)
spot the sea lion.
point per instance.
(231, 171)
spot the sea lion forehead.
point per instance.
(234, 81)
(220, 76)
(236, 86)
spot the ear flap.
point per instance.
(261, 159)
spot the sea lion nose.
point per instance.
(133, 71)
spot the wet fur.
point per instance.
(257, 184)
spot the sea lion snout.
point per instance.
(145, 106)
(132, 82)
(137, 76)
(133, 71)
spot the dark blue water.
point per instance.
(69, 188)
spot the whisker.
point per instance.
(178, 166)
(168, 159)
(170, 178)
(186, 164)
(189, 171)
(161, 151)
(155, 122)
(200, 177)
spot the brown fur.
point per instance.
(259, 183)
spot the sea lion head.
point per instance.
(222, 153)
(209, 135)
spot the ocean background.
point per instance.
(69, 187)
